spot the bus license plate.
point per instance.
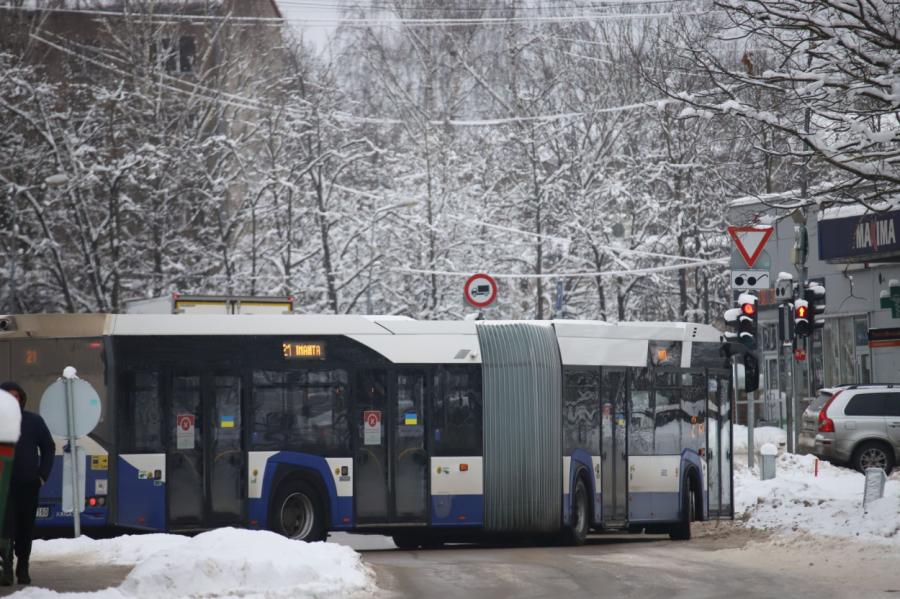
(43, 512)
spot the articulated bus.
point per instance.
(425, 431)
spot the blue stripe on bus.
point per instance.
(580, 456)
(341, 508)
(457, 510)
(141, 502)
(51, 498)
(654, 506)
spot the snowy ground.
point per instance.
(798, 503)
(221, 563)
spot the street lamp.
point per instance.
(57, 180)
(372, 223)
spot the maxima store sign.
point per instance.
(860, 238)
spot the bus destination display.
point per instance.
(303, 350)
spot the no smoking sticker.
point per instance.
(184, 431)
(372, 427)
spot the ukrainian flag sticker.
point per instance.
(227, 421)
(410, 419)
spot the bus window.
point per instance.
(640, 434)
(301, 411)
(141, 419)
(581, 411)
(693, 403)
(667, 414)
(458, 414)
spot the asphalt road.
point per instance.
(729, 562)
(621, 567)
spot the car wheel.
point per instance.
(297, 512)
(874, 455)
(682, 530)
(576, 534)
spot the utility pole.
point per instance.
(800, 252)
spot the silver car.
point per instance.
(858, 425)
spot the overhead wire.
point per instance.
(308, 22)
(565, 275)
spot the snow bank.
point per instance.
(227, 562)
(126, 550)
(10, 418)
(829, 504)
(761, 436)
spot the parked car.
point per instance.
(856, 425)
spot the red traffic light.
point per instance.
(801, 312)
(748, 309)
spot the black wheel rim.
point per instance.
(297, 516)
(873, 458)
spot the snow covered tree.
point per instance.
(822, 73)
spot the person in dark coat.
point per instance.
(32, 464)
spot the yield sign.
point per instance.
(750, 241)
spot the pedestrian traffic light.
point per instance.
(802, 326)
(747, 321)
(814, 294)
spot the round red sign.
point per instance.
(480, 290)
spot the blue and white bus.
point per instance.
(426, 431)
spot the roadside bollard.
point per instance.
(767, 454)
(10, 425)
(874, 489)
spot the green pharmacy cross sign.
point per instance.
(892, 299)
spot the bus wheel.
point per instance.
(297, 512)
(406, 541)
(577, 532)
(682, 530)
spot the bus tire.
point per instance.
(406, 541)
(682, 530)
(577, 532)
(297, 512)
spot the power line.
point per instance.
(566, 275)
(375, 22)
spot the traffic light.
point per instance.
(802, 326)
(814, 294)
(747, 320)
(751, 373)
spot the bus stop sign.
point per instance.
(86, 412)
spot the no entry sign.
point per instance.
(480, 290)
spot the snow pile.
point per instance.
(126, 550)
(227, 562)
(829, 504)
(10, 418)
(761, 436)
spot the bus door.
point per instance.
(205, 460)
(713, 446)
(390, 460)
(614, 447)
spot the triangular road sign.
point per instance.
(750, 241)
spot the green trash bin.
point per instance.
(10, 423)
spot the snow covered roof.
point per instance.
(849, 210)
